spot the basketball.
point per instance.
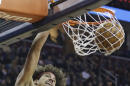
(109, 37)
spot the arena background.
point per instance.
(92, 70)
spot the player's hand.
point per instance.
(54, 33)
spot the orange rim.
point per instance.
(102, 10)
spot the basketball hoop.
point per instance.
(96, 30)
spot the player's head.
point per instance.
(49, 75)
(47, 79)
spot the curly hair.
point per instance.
(60, 76)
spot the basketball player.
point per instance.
(33, 75)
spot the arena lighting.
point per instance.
(121, 14)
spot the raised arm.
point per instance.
(32, 58)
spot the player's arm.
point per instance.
(32, 58)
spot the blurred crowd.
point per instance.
(123, 4)
(94, 70)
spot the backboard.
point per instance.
(13, 31)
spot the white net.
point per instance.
(83, 38)
(95, 31)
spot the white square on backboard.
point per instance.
(0, 1)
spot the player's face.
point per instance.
(47, 79)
